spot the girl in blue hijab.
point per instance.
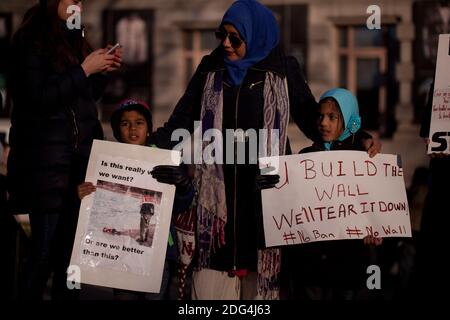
(340, 262)
(248, 32)
(338, 116)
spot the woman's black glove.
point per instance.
(176, 175)
(266, 181)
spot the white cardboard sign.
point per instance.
(335, 195)
(123, 227)
(440, 113)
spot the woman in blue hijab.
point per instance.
(256, 28)
(246, 83)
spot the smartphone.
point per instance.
(116, 46)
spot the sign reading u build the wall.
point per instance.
(440, 113)
(335, 195)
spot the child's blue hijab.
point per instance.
(259, 30)
(349, 108)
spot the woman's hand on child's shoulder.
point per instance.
(85, 189)
(373, 146)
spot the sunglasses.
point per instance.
(235, 41)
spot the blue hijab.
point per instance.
(349, 109)
(259, 30)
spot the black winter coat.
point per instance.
(243, 108)
(54, 121)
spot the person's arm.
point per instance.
(303, 105)
(98, 83)
(185, 113)
(179, 177)
(48, 91)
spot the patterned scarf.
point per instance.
(185, 223)
(212, 210)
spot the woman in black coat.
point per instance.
(55, 80)
(245, 83)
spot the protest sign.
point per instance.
(440, 113)
(123, 227)
(333, 196)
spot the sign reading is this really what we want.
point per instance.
(334, 196)
(123, 227)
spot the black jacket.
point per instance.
(353, 142)
(243, 108)
(54, 121)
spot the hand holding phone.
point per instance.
(114, 48)
(97, 62)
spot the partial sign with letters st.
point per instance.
(335, 195)
(440, 113)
